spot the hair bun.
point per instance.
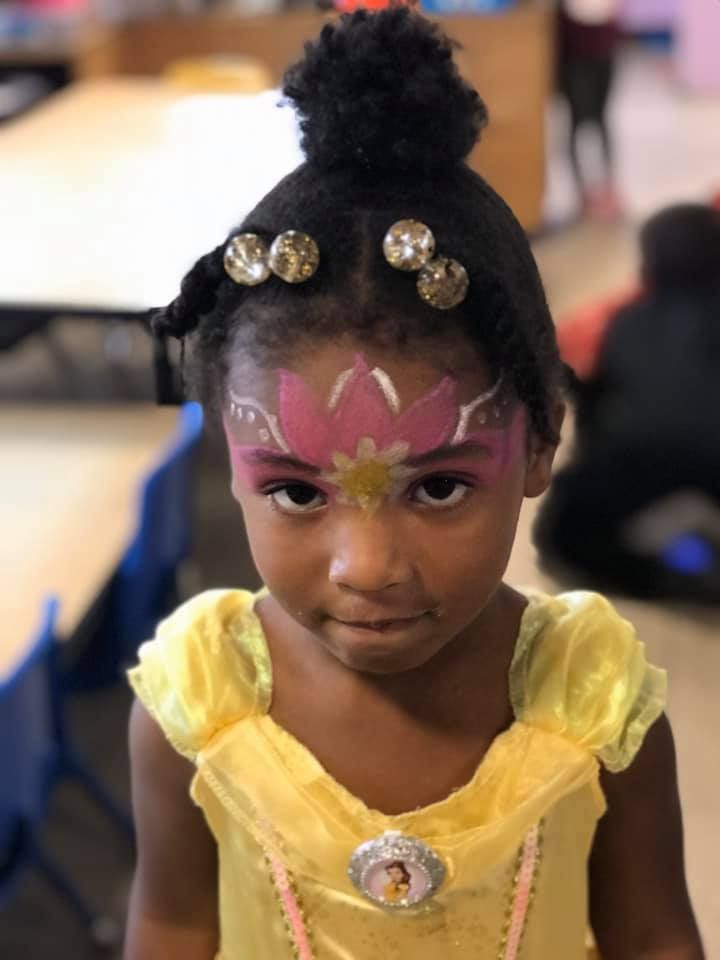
(381, 91)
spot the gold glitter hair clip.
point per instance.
(442, 282)
(292, 256)
(409, 245)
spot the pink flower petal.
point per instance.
(304, 420)
(316, 435)
(430, 421)
(362, 411)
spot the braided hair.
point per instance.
(387, 124)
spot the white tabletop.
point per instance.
(111, 189)
(69, 484)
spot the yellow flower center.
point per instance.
(366, 481)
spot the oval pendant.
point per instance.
(396, 871)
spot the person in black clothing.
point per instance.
(638, 507)
(588, 36)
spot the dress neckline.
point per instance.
(302, 756)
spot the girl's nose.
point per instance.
(367, 554)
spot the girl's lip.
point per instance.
(384, 625)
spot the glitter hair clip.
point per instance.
(442, 282)
(409, 245)
(292, 256)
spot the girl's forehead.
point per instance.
(406, 377)
(364, 428)
(334, 406)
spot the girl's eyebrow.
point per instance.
(471, 448)
(257, 455)
(269, 458)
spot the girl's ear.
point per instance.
(542, 456)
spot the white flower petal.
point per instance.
(396, 452)
(398, 472)
(366, 449)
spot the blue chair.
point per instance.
(144, 588)
(35, 755)
(28, 751)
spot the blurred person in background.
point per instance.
(638, 508)
(587, 40)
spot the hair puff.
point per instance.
(382, 93)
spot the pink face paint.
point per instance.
(359, 443)
(482, 462)
(364, 409)
(484, 456)
(257, 468)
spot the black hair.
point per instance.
(680, 248)
(400, 864)
(387, 124)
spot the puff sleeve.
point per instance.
(206, 668)
(579, 671)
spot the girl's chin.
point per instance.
(390, 647)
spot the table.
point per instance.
(69, 481)
(111, 190)
(71, 48)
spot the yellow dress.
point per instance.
(514, 841)
(393, 892)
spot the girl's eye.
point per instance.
(441, 491)
(296, 498)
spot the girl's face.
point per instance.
(381, 494)
(395, 874)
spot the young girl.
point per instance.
(376, 341)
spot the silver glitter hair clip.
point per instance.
(292, 256)
(442, 282)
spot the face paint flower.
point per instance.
(359, 436)
(363, 404)
(372, 475)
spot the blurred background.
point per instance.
(133, 135)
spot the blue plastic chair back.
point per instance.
(28, 747)
(144, 587)
(466, 6)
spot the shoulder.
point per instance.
(638, 889)
(206, 667)
(580, 671)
